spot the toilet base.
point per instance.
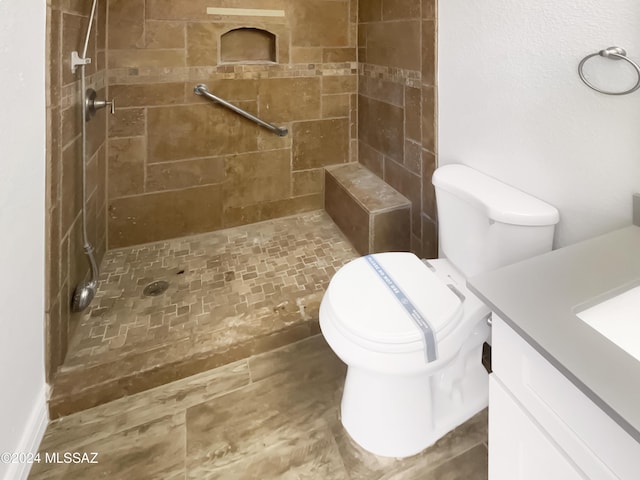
(399, 416)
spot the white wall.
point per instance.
(22, 216)
(511, 103)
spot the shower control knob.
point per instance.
(98, 104)
(92, 104)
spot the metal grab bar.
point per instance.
(201, 89)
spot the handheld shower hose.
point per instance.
(86, 290)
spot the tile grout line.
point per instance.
(251, 381)
(451, 459)
(186, 434)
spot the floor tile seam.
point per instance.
(81, 444)
(184, 455)
(337, 445)
(180, 407)
(115, 380)
(271, 352)
(254, 454)
(451, 459)
(188, 407)
(251, 379)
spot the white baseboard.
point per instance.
(31, 438)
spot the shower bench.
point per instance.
(372, 215)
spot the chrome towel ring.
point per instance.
(614, 53)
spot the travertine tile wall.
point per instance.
(396, 105)
(66, 262)
(177, 163)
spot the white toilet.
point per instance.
(411, 332)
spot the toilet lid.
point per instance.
(366, 307)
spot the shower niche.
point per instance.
(248, 45)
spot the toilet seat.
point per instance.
(367, 312)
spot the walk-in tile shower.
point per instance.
(171, 164)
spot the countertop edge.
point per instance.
(605, 407)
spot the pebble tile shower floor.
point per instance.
(231, 294)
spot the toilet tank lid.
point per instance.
(502, 203)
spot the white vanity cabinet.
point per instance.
(541, 426)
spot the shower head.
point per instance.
(83, 295)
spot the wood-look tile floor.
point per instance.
(270, 416)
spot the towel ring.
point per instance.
(614, 53)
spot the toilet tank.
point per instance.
(484, 224)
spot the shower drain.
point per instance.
(155, 288)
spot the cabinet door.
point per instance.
(519, 449)
(587, 435)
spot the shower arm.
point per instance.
(201, 89)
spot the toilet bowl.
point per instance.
(392, 390)
(411, 332)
